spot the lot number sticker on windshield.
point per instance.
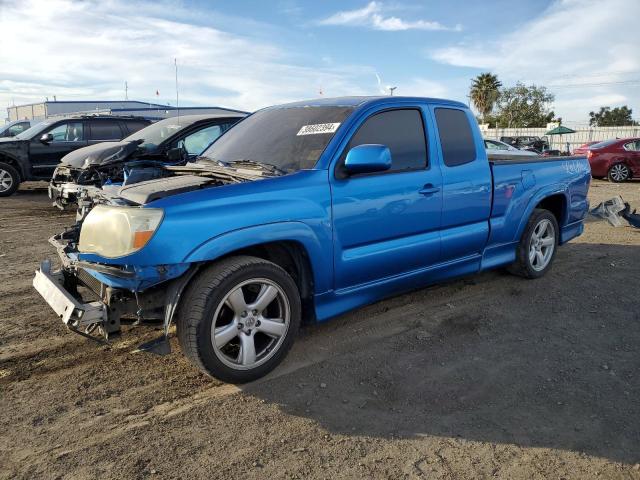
(318, 128)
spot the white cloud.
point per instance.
(371, 16)
(88, 49)
(573, 42)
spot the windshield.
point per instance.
(30, 133)
(289, 139)
(155, 134)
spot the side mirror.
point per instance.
(367, 158)
(175, 154)
(47, 138)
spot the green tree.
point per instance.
(484, 93)
(606, 117)
(524, 106)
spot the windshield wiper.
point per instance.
(262, 165)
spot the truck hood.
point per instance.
(186, 178)
(100, 154)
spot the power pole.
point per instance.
(126, 90)
(175, 62)
(391, 90)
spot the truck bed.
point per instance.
(511, 159)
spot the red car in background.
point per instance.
(583, 149)
(618, 159)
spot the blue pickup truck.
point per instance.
(302, 212)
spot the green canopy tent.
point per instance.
(560, 130)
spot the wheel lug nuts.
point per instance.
(257, 323)
(243, 314)
(240, 326)
(255, 312)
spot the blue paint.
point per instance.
(367, 236)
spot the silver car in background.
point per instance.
(497, 149)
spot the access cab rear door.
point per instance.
(467, 183)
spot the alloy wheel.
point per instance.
(6, 180)
(250, 323)
(619, 172)
(542, 245)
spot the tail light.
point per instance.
(589, 154)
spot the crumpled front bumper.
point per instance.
(74, 313)
(63, 194)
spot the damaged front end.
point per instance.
(90, 167)
(95, 300)
(94, 296)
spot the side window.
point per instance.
(17, 128)
(633, 146)
(400, 130)
(68, 132)
(105, 130)
(134, 126)
(197, 142)
(456, 138)
(490, 145)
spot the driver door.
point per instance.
(388, 223)
(67, 136)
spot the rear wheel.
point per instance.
(9, 179)
(538, 245)
(239, 318)
(619, 173)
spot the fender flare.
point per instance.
(320, 258)
(556, 189)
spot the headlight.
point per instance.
(117, 231)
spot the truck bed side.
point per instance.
(559, 184)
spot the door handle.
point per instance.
(428, 190)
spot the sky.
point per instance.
(251, 54)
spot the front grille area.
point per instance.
(88, 281)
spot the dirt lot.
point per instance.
(489, 376)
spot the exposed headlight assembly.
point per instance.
(117, 231)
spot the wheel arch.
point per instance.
(291, 245)
(4, 158)
(553, 199)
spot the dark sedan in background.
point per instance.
(174, 141)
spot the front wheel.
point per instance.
(538, 245)
(619, 173)
(239, 318)
(9, 180)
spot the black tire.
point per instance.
(523, 265)
(8, 174)
(619, 173)
(204, 298)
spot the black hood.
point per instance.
(6, 141)
(100, 154)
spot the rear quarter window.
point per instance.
(456, 138)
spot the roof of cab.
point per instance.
(364, 100)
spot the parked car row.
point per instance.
(138, 157)
(93, 150)
(34, 153)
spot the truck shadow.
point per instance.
(548, 363)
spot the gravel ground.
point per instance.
(490, 376)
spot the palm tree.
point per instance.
(484, 93)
